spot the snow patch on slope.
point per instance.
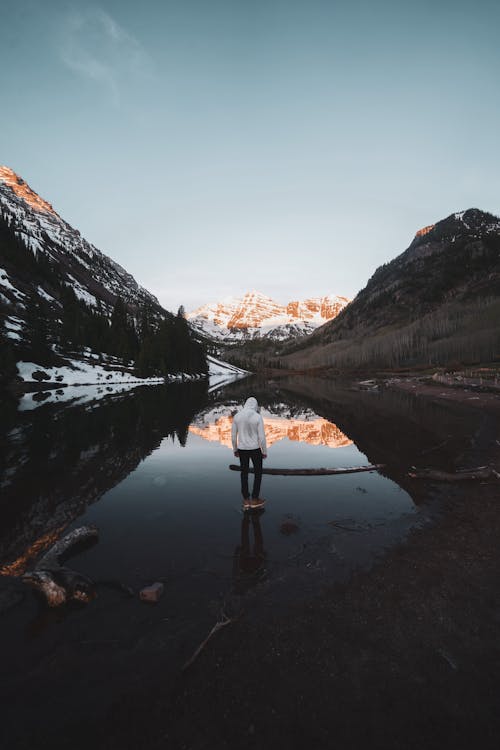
(218, 367)
(45, 295)
(7, 284)
(222, 373)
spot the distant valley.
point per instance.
(64, 302)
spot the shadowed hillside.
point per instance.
(436, 303)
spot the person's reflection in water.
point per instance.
(248, 565)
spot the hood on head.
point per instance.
(251, 403)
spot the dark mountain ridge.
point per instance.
(61, 296)
(436, 303)
(89, 271)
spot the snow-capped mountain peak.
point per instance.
(92, 274)
(256, 315)
(23, 190)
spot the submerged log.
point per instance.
(81, 536)
(480, 472)
(313, 472)
(60, 584)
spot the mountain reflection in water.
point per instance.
(58, 460)
(310, 429)
(157, 458)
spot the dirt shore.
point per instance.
(478, 399)
(406, 655)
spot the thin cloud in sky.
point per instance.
(96, 47)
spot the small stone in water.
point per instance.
(151, 593)
(289, 527)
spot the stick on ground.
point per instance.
(218, 626)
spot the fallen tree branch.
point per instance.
(313, 472)
(83, 534)
(480, 472)
(218, 626)
(59, 584)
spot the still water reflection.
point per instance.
(150, 468)
(309, 429)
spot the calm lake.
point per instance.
(149, 467)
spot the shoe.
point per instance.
(246, 503)
(257, 502)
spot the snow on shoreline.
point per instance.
(79, 382)
(80, 373)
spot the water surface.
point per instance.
(150, 468)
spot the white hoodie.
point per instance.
(248, 428)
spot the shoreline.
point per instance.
(478, 399)
(410, 381)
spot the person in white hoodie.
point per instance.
(249, 442)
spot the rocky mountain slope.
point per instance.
(257, 316)
(60, 296)
(436, 303)
(93, 275)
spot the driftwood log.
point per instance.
(57, 583)
(81, 536)
(313, 472)
(480, 472)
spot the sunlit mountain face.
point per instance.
(22, 190)
(255, 315)
(308, 428)
(94, 277)
(425, 230)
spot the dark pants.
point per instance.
(245, 456)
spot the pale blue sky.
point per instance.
(215, 146)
